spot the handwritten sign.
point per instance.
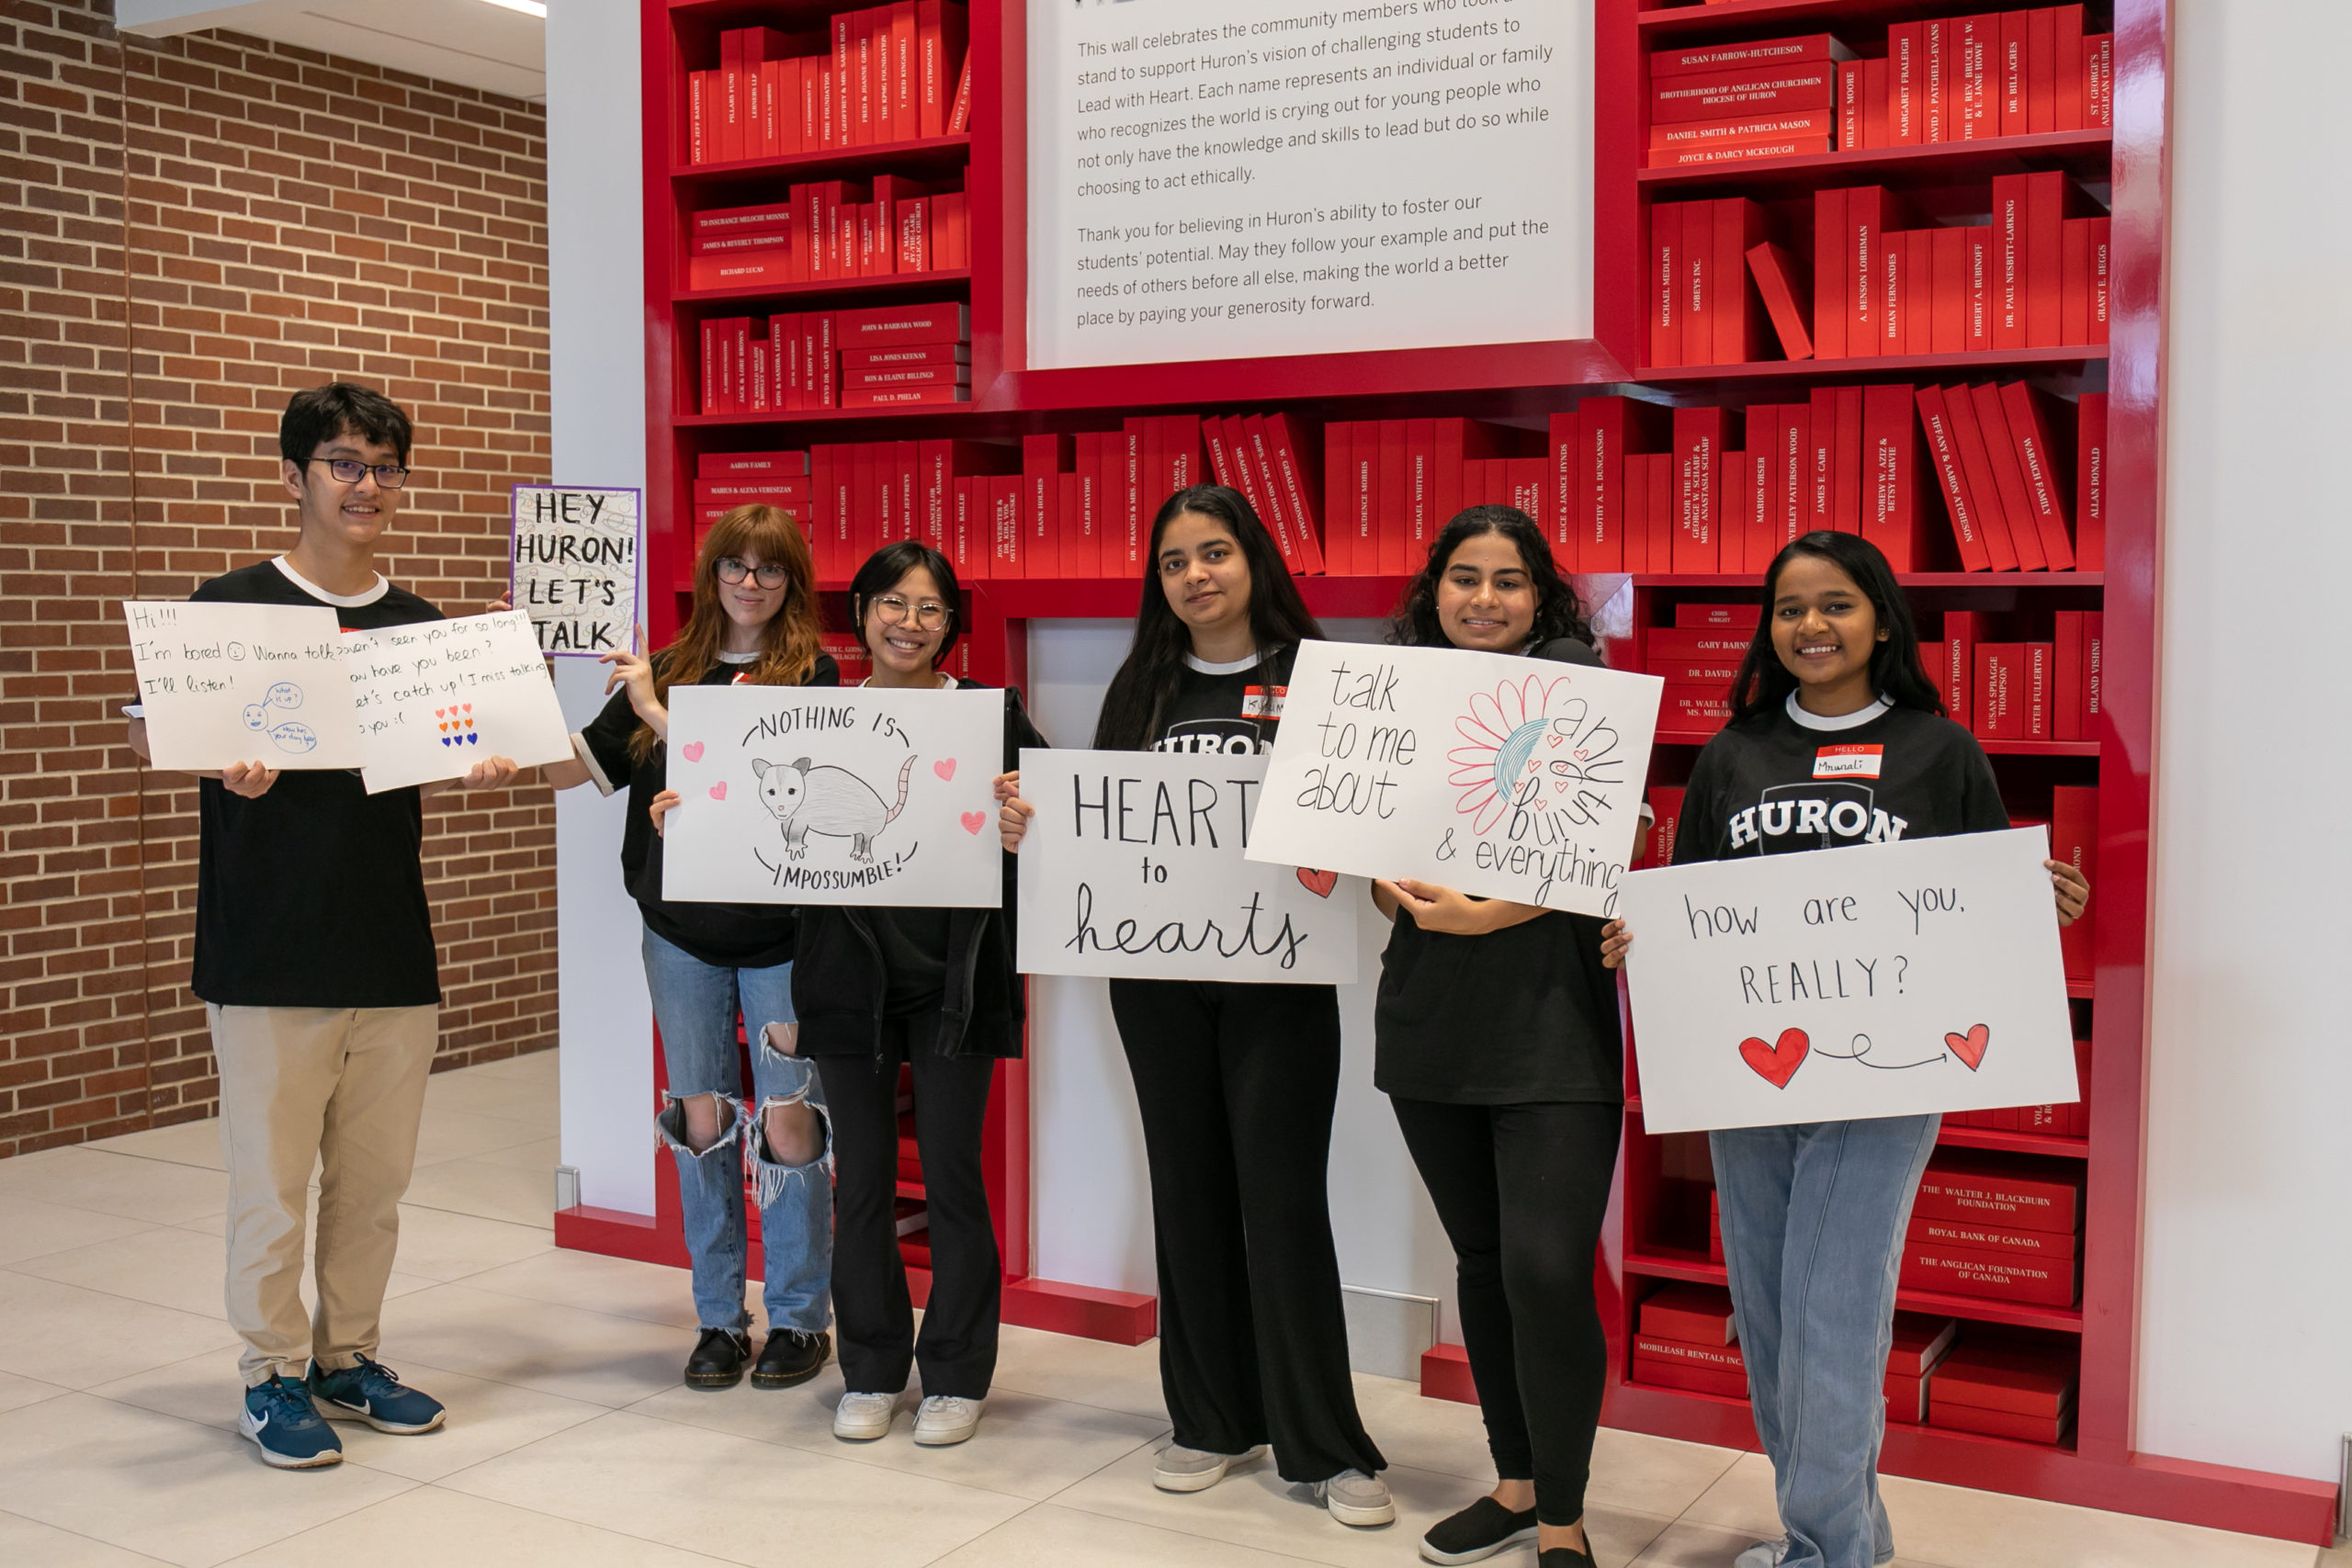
(433, 698)
(1134, 866)
(1503, 776)
(819, 795)
(226, 683)
(577, 560)
(1883, 980)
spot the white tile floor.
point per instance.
(570, 1442)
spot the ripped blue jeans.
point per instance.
(695, 1004)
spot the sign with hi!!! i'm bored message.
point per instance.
(1134, 868)
(1497, 775)
(831, 794)
(1882, 981)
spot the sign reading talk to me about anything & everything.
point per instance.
(1888, 979)
(1497, 775)
(1134, 867)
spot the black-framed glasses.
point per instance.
(928, 614)
(769, 574)
(347, 471)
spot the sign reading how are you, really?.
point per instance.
(578, 566)
(433, 698)
(1890, 979)
(1133, 868)
(1497, 775)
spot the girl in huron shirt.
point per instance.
(1236, 1083)
(1836, 737)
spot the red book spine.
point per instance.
(1661, 510)
(1256, 458)
(2074, 838)
(1738, 313)
(1846, 503)
(1392, 525)
(2040, 683)
(1524, 483)
(1828, 274)
(2047, 197)
(1693, 1314)
(1993, 1275)
(2009, 279)
(1757, 470)
(2000, 710)
(1699, 435)
(1131, 532)
(1889, 443)
(1636, 491)
(1874, 119)
(1920, 289)
(2075, 281)
(2031, 422)
(1601, 534)
(2090, 483)
(1806, 84)
(1009, 559)
(905, 110)
(2066, 710)
(2011, 80)
(1421, 522)
(730, 101)
(1069, 560)
(1453, 450)
(1982, 490)
(1757, 59)
(1696, 268)
(1866, 221)
(2099, 81)
(1667, 1373)
(2008, 479)
(1301, 487)
(2041, 70)
(1700, 134)
(1893, 321)
(698, 138)
(1364, 495)
(970, 557)
(2101, 272)
(2049, 1246)
(1740, 152)
(1977, 272)
(1850, 104)
(1935, 79)
(959, 115)
(1665, 291)
(2094, 670)
(1943, 456)
(1975, 52)
(1695, 709)
(1792, 471)
(1042, 457)
(1777, 286)
(1905, 101)
(1561, 489)
(1821, 478)
(1963, 630)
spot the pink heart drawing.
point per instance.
(946, 770)
(692, 750)
(718, 790)
(974, 821)
(438, 712)
(1969, 1047)
(466, 706)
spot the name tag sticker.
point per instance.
(1258, 701)
(1847, 761)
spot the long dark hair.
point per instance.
(789, 646)
(1558, 611)
(1764, 684)
(1278, 617)
(887, 566)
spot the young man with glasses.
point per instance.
(315, 962)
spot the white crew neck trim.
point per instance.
(348, 601)
(752, 657)
(1853, 720)
(1232, 667)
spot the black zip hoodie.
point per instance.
(839, 982)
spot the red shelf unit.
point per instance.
(1525, 381)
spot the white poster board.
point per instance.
(433, 698)
(1133, 868)
(578, 561)
(223, 683)
(1497, 775)
(1882, 980)
(821, 794)
(1217, 179)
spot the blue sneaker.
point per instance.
(279, 1417)
(373, 1393)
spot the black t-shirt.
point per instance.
(313, 894)
(1522, 1016)
(914, 944)
(726, 936)
(1226, 707)
(1777, 783)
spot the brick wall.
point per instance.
(191, 229)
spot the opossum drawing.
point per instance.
(828, 800)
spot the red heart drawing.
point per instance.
(974, 821)
(439, 712)
(1776, 1064)
(718, 790)
(1969, 1047)
(692, 750)
(946, 770)
(1552, 740)
(1318, 882)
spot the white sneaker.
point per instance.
(1773, 1554)
(1355, 1498)
(1180, 1468)
(862, 1417)
(944, 1419)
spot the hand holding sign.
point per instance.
(1884, 981)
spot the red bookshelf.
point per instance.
(1649, 1237)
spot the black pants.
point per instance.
(1237, 1086)
(958, 1347)
(1521, 1190)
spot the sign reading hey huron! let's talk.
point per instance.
(1497, 775)
(577, 564)
(1134, 867)
(1882, 981)
(833, 794)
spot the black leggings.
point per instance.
(958, 1345)
(1237, 1085)
(1521, 1190)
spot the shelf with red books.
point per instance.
(1680, 1263)
(2014, 1143)
(923, 155)
(1886, 368)
(862, 291)
(896, 418)
(1766, 18)
(1908, 580)
(1994, 748)
(2083, 154)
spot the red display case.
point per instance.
(1656, 1229)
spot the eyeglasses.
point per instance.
(930, 614)
(346, 470)
(770, 574)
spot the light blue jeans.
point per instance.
(695, 1004)
(1813, 1218)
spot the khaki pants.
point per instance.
(344, 1087)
